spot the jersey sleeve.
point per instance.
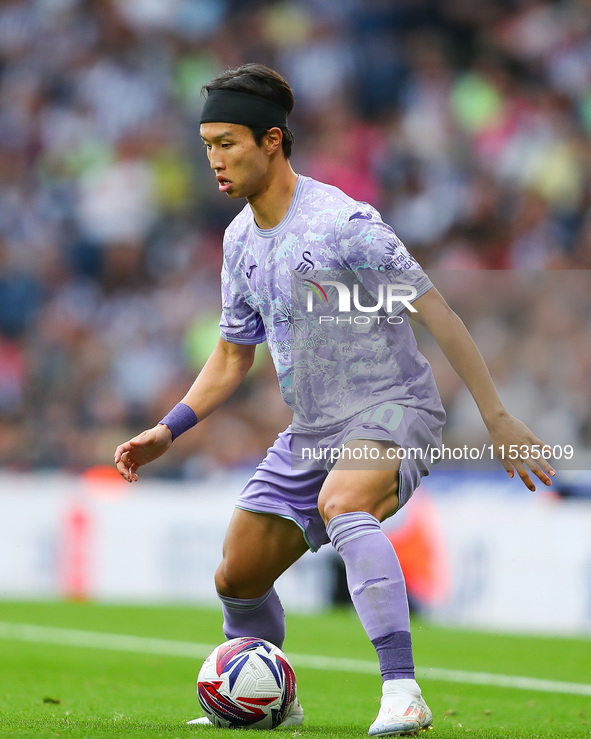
(370, 249)
(240, 323)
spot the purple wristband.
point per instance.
(180, 419)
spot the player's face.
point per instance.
(241, 167)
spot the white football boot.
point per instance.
(295, 717)
(403, 711)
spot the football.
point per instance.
(246, 682)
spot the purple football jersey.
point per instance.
(326, 288)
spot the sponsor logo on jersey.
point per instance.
(397, 259)
(289, 317)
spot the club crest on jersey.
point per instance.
(306, 263)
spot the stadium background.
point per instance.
(467, 124)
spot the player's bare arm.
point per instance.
(223, 372)
(458, 346)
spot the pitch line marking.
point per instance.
(170, 648)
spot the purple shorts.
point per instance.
(287, 482)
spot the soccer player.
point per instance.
(354, 387)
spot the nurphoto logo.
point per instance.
(388, 296)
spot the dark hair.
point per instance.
(256, 79)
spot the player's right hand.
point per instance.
(143, 448)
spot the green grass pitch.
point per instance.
(113, 690)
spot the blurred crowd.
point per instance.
(467, 124)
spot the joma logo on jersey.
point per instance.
(388, 295)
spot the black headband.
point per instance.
(229, 106)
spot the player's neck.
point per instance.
(271, 203)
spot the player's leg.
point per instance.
(276, 520)
(353, 502)
(257, 549)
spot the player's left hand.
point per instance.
(519, 448)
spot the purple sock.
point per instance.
(377, 588)
(261, 617)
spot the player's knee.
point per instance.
(225, 584)
(334, 506)
(233, 583)
(333, 502)
(330, 506)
